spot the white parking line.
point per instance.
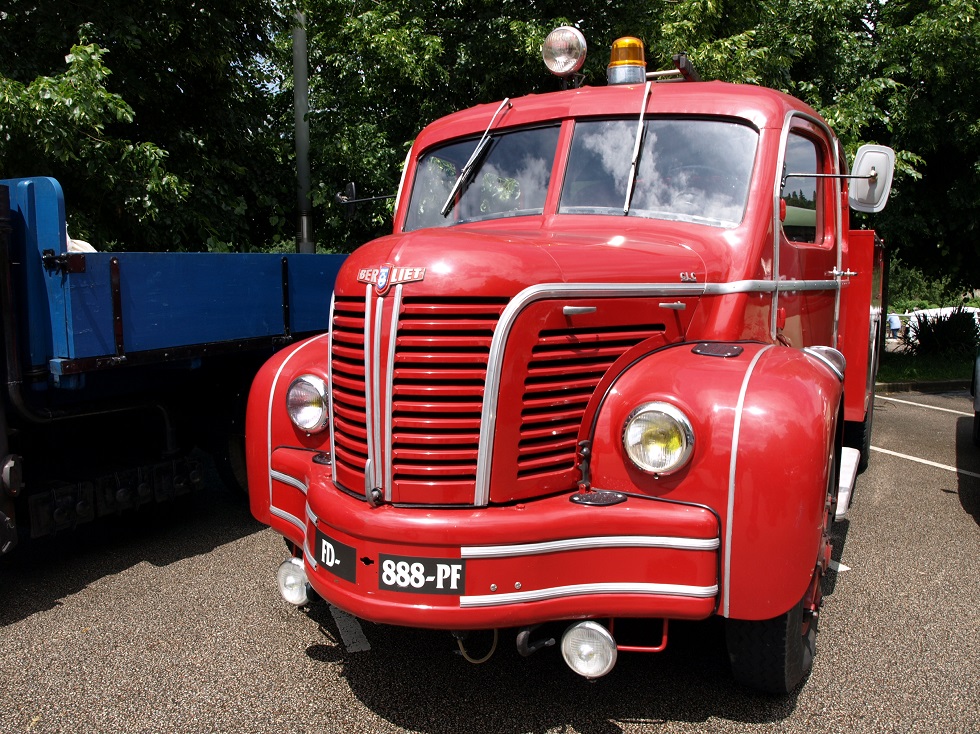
(923, 405)
(350, 631)
(947, 467)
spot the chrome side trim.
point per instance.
(309, 558)
(610, 541)
(769, 286)
(308, 551)
(291, 519)
(730, 511)
(396, 304)
(558, 592)
(290, 480)
(830, 357)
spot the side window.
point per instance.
(801, 194)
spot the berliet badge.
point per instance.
(388, 275)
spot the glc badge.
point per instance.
(388, 275)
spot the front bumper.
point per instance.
(481, 568)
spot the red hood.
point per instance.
(503, 260)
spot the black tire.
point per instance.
(775, 655)
(229, 461)
(976, 429)
(858, 435)
(772, 655)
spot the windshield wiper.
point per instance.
(470, 169)
(636, 150)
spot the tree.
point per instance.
(187, 79)
(898, 73)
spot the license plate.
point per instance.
(422, 575)
(338, 558)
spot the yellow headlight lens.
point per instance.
(658, 438)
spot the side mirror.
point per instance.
(871, 178)
(347, 199)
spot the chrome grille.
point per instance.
(565, 367)
(437, 383)
(440, 371)
(347, 392)
(438, 378)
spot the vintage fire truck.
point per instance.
(614, 363)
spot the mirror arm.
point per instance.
(873, 176)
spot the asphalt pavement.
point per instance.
(170, 621)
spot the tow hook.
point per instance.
(464, 636)
(527, 648)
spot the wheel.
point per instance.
(229, 460)
(775, 655)
(976, 429)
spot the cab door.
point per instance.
(808, 240)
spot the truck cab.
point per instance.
(602, 368)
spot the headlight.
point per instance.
(306, 403)
(658, 438)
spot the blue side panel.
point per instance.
(311, 282)
(166, 300)
(181, 299)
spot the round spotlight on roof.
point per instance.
(564, 50)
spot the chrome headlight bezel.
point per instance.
(677, 437)
(306, 403)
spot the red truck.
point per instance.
(615, 361)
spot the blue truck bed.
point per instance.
(91, 311)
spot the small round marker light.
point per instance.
(589, 649)
(627, 62)
(564, 50)
(292, 581)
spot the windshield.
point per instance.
(689, 169)
(509, 179)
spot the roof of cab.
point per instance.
(763, 107)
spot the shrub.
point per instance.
(952, 334)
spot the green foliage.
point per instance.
(945, 335)
(906, 367)
(60, 121)
(910, 289)
(210, 170)
(187, 144)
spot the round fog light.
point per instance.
(589, 649)
(292, 581)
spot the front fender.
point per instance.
(267, 426)
(764, 423)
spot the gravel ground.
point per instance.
(169, 621)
